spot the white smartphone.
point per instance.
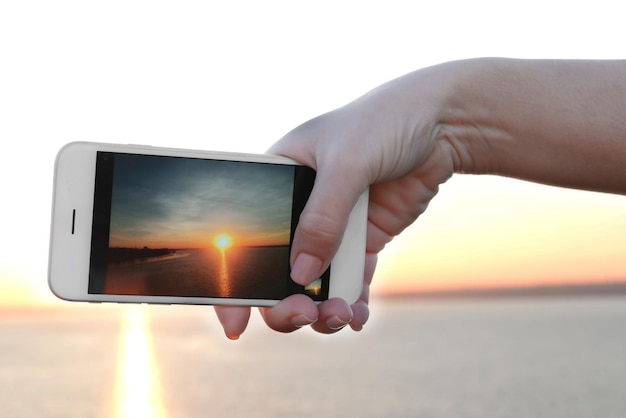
(154, 225)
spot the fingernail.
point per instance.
(335, 323)
(306, 268)
(357, 327)
(302, 320)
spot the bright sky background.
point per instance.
(237, 75)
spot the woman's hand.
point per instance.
(386, 139)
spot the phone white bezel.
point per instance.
(72, 216)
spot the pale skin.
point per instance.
(556, 122)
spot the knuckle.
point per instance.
(320, 229)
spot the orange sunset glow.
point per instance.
(538, 235)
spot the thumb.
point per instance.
(323, 221)
(342, 176)
(322, 224)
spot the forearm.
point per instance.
(554, 122)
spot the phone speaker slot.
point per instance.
(73, 220)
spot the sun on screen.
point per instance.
(223, 241)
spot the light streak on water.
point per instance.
(138, 392)
(224, 281)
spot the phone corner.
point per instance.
(68, 145)
(54, 288)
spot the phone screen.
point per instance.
(193, 227)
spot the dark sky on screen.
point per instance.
(183, 203)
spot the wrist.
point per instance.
(468, 119)
(557, 122)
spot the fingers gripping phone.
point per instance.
(154, 225)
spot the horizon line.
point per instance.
(612, 288)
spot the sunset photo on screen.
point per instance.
(197, 227)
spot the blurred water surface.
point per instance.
(207, 273)
(432, 358)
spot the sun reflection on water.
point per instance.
(224, 281)
(138, 392)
